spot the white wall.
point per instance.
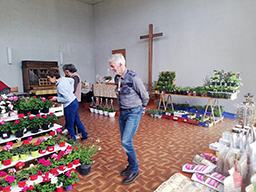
(199, 36)
(39, 29)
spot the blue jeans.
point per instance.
(129, 121)
(72, 118)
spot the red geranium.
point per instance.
(21, 115)
(9, 143)
(52, 133)
(19, 165)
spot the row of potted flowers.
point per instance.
(102, 110)
(57, 180)
(58, 161)
(26, 123)
(12, 102)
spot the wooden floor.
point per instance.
(162, 147)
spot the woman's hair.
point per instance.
(117, 58)
(53, 73)
(69, 67)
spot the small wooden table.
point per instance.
(210, 99)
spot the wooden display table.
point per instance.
(209, 103)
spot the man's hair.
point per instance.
(69, 67)
(53, 73)
(117, 58)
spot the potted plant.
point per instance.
(5, 129)
(111, 112)
(105, 111)
(91, 108)
(54, 164)
(50, 118)
(33, 173)
(61, 140)
(22, 177)
(15, 154)
(7, 183)
(100, 109)
(50, 142)
(44, 166)
(46, 104)
(34, 149)
(85, 157)
(70, 179)
(24, 150)
(36, 104)
(25, 106)
(5, 155)
(42, 145)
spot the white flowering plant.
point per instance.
(88, 152)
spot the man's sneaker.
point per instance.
(65, 131)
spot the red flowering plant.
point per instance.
(44, 165)
(30, 188)
(34, 146)
(46, 103)
(19, 124)
(24, 174)
(107, 78)
(61, 160)
(51, 117)
(34, 121)
(51, 140)
(8, 180)
(54, 162)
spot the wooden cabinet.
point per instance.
(34, 78)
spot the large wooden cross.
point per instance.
(150, 52)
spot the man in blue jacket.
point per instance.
(132, 100)
(65, 87)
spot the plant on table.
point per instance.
(33, 170)
(25, 104)
(42, 144)
(23, 175)
(24, 148)
(19, 124)
(61, 138)
(51, 140)
(46, 103)
(51, 117)
(34, 146)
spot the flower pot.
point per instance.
(33, 177)
(42, 151)
(35, 111)
(7, 162)
(54, 170)
(100, 112)
(74, 184)
(25, 112)
(76, 162)
(59, 189)
(62, 144)
(34, 153)
(19, 133)
(51, 148)
(23, 156)
(70, 165)
(62, 167)
(15, 158)
(91, 110)
(22, 183)
(52, 124)
(69, 188)
(45, 127)
(7, 189)
(6, 134)
(105, 113)
(45, 110)
(85, 169)
(34, 129)
(111, 114)
(96, 111)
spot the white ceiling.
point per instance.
(91, 2)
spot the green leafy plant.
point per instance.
(111, 110)
(8, 180)
(88, 152)
(50, 141)
(5, 126)
(32, 171)
(25, 104)
(23, 175)
(5, 154)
